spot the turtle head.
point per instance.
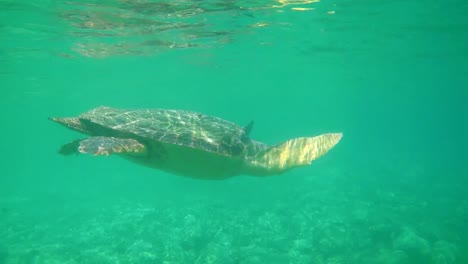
(73, 123)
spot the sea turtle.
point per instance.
(188, 143)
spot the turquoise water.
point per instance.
(390, 75)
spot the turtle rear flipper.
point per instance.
(294, 153)
(103, 146)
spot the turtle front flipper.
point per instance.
(103, 146)
(293, 153)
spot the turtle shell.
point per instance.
(184, 128)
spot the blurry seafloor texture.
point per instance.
(391, 75)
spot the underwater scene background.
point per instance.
(390, 75)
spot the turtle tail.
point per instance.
(294, 153)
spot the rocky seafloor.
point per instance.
(329, 224)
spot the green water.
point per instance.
(390, 75)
